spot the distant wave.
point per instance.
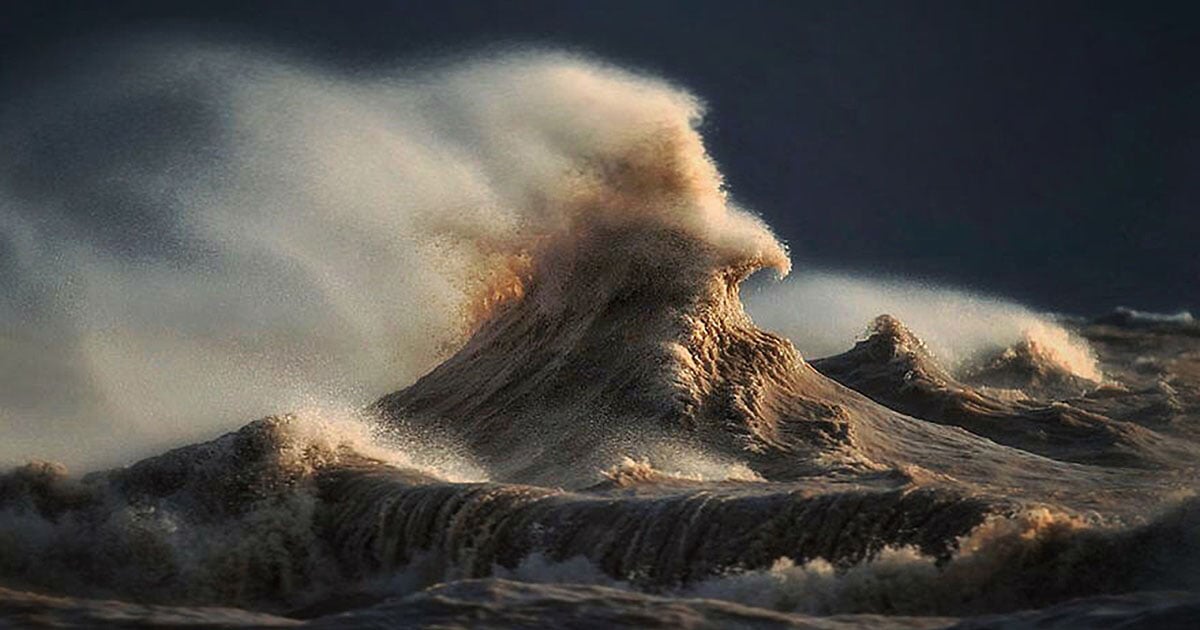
(824, 313)
(1123, 316)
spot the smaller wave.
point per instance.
(1049, 362)
(228, 521)
(1013, 398)
(823, 312)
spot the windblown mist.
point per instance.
(197, 235)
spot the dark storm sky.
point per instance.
(1048, 151)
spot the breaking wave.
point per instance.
(824, 313)
(194, 235)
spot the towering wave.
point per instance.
(194, 233)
